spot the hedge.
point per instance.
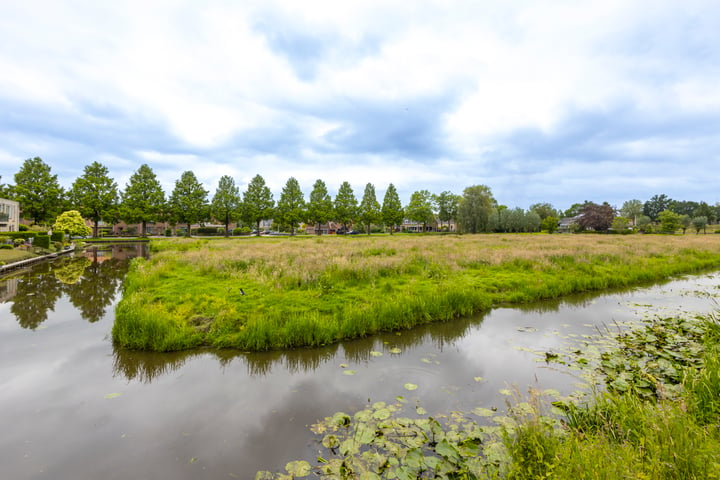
(42, 241)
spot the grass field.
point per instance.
(314, 291)
(14, 255)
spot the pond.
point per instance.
(73, 407)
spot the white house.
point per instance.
(9, 215)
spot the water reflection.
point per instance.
(89, 279)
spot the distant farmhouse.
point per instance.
(9, 215)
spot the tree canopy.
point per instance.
(143, 199)
(421, 208)
(346, 207)
(225, 205)
(369, 207)
(320, 206)
(95, 195)
(38, 191)
(476, 205)
(291, 206)
(188, 201)
(392, 211)
(257, 203)
(597, 217)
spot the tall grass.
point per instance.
(309, 292)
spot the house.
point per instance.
(328, 228)
(9, 215)
(434, 226)
(565, 225)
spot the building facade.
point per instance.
(9, 215)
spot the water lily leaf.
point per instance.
(376, 354)
(478, 379)
(193, 460)
(349, 372)
(410, 386)
(395, 350)
(298, 468)
(112, 395)
(382, 414)
(506, 392)
(447, 450)
(426, 360)
(343, 365)
(420, 410)
(483, 412)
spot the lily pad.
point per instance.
(349, 372)
(112, 395)
(298, 468)
(478, 379)
(376, 354)
(410, 386)
(395, 350)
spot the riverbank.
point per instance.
(262, 294)
(23, 259)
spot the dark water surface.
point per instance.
(73, 407)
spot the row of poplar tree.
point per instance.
(96, 196)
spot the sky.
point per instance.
(542, 101)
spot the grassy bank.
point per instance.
(315, 291)
(14, 255)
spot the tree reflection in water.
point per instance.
(90, 282)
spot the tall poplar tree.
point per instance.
(392, 212)
(257, 203)
(346, 206)
(38, 191)
(369, 207)
(291, 206)
(143, 199)
(95, 195)
(447, 204)
(188, 201)
(320, 206)
(226, 202)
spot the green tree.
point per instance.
(699, 223)
(655, 205)
(531, 222)
(225, 204)
(447, 205)
(669, 221)
(188, 201)
(476, 206)
(644, 224)
(143, 200)
(550, 224)
(420, 209)
(95, 195)
(392, 211)
(72, 223)
(620, 224)
(38, 191)
(6, 191)
(257, 203)
(576, 209)
(544, 210)
(370, 212)
(685, 222)
(632, 209)
(705, 210)
(346, 207)
(320, 206)
(291, 206)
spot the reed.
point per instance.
(261, 294)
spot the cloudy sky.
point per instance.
(543, 101)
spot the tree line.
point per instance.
(97, 197)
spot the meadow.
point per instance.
(274, 293)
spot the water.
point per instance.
(74, 407)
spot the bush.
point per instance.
(241, 231)
(207, 231)
(6, 246)
(168, 232)
(57, 237)
(23, 228)
(42, 241)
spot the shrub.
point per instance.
(42, 241)
(57, 237)
(168, 232)
(23, 228)
(241, 231)
(6, 246)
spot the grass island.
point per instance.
(272, 293)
